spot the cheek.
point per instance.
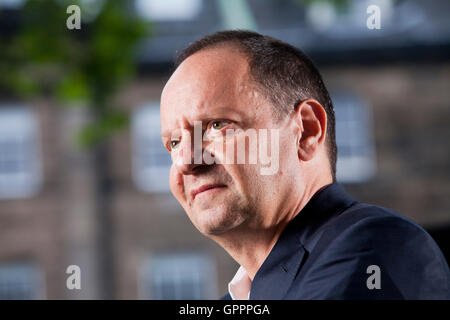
(245, 178)
(177, 185)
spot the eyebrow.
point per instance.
(165, 133)
(206, 116)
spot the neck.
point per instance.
(250, 244)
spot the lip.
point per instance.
(204, 188)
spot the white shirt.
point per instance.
(239, 286)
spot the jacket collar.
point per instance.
(276, 274)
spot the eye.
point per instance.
(219, 124)
(174, 143)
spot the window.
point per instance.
(151, 161)
(20, 164)
(178, 276)
(169, 10)
(20, 282)
(11, 4)
(350, 20)
(356, 151)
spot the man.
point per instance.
(295, 232)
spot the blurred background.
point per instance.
(83, 173)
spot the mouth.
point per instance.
(206, 188)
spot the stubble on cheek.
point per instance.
(178, 189)
(219, 218)
(222, 213)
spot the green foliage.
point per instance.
(74, 86)
(94, 133)
(46, 58)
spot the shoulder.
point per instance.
(383, 232)
(410, 262)
(370, 222)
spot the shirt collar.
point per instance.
(239, 286)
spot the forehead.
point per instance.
(208, 82)
(214, 69)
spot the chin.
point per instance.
(217, 223)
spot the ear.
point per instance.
(311, 118)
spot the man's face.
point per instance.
(212, 86)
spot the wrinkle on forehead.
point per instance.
(211, 77)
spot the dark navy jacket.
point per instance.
(325, 251)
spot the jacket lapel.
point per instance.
(275, 276)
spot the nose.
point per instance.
(189, 157)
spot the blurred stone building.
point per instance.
(392, 104)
